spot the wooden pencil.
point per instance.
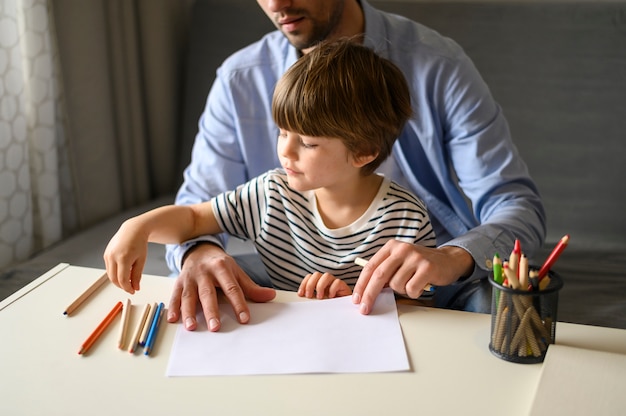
(90, 290)
(523, 272)
(124, 327)
(147, 324)
(142, 320)
(100, 328)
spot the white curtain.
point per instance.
(35, 186)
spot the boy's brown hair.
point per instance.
(344, 90)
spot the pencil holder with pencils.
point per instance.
(523, 319)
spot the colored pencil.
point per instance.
(100, 328)
(90, 290)
(553, 257)
(124, 327)
(142, 320)
(534, 281)
(362, 262)
(511, 276)
(517, 249)
(513, 263)
(497, 269)
(154, 329)
(522, 272)
(147, 324)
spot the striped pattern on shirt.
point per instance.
(292, 239)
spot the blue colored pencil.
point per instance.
(154, 328)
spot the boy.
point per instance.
(339, 109)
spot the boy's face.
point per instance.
(305, 22)
(315, 162)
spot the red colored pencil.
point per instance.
(514, 258)
(100, 328)
(552, 258)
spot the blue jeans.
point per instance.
(471, 296)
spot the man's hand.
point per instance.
(407, 269)
(205, 269)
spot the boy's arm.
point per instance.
(175, 223)
(126, 253)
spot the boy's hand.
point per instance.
(125, 257)
(323, 285)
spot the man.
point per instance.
(455, 153)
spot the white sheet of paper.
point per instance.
(319, 336)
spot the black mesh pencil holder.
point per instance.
(523, 323)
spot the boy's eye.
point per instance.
(307, 145)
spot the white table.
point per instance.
(452, 370)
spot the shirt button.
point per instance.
(489, 264)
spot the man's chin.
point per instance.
(299, 42)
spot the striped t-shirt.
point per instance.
(293, 241)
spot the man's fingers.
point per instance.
(173, 310)
(376, 284)
(235, 295)
(371, 271)
(254, 292)
(188, 302)
(207, 294)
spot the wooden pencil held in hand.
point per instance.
(523, 322)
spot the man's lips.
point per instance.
(289, 24)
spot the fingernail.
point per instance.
(363, 309)
(243, 317)
(213, 324)
(188, 322)
(356, 298)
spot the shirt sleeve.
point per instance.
(216, 163)
(491, 174)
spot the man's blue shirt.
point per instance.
(455, 153)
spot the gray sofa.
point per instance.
(558, 70)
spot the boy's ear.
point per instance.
(362, 160)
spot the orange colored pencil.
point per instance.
(100, 328)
